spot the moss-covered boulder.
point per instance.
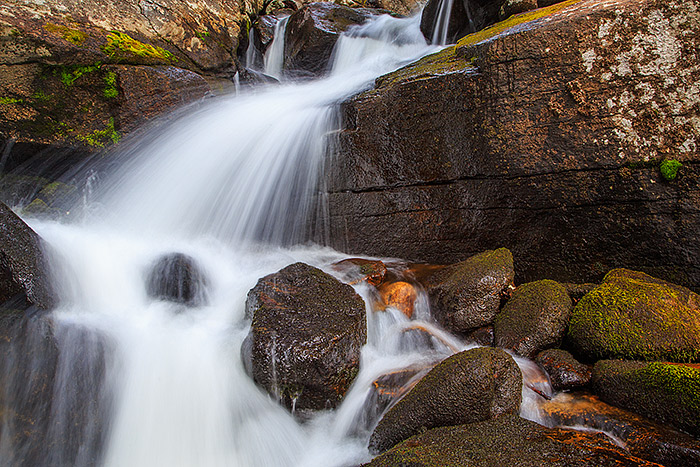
(641, 437)
(565, 372)
(305, 338)
(534, 318)
(467, 295)
(470, 386)
(507, 440)
(666, 392)
(24, 267)
(634, 316)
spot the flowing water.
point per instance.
(235, 185)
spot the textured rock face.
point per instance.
(565, 372)
(507, 440)
(306, 336)
(668, 393)
(634, 316)
(81, 74)
(467, 295)
(470, 386)
(545, 140)
(534, 318)
(23, 265)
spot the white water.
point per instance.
(274, 55)
(442, 22)
(229, 184)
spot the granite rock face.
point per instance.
(544, 134)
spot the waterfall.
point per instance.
(442, 22)
(274, 55)
(234, 184)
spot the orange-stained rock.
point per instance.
(401, 295)
(355, 270)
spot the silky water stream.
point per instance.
(235, 185)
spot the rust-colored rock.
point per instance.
(565, 372)
(545, 138)
(400, 295)
(355, 270)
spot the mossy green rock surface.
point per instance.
(634, 316)
(506, 441)
(467, 295)
(534, 319)
(470, 386)
(665, 392)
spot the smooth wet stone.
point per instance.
(177, 278)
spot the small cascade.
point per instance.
(442, 22)
(274, 56)
(252, 56)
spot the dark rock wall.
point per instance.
(546, 140)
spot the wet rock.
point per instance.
(177, 277)
(665, 392)
(400, 295)
(24, 268)
(632, 315)
(355, 270)
(530, 136)
(470, 386)
(565, 372)
(467, 295)
(534, 318)
(305, 339)
(311, 34)
(641, 437)
(506, 440)
(482, 336)
(578, 291)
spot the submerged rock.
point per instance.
(313, 31)
(354, 270)
(534, 318)
(507, 440)
(665, 392)
(177, 277)
(565, 372)
(305, 338)
(400, 295)
(467, 295)
(641, 437)
(467, 387)
(24, 268)
(634, 316)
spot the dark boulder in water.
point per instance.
(312, 33)
(470, 386)
(565, 372)
(24, 269)
(305, 339)
(177, 278)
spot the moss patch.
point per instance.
(437, 64)
(74, 36)
(99, 138)
(669, 168)
(10, 101)
(122, 47)
(110, 91)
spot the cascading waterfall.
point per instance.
(274, 55)
(442, 22)
(233, 184)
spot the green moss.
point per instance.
(121, 47)
(634, 316)
(110, 91)
(436, 64)
(669, 169)
(41, 96)
(74, 36)
(202, 34)
(69, 74)
(10, 101)
(515, 20)
(100, 138)
(680, 382)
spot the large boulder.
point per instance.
(641, 437)
(470, 386)
(467, 295)
(81, 74)
(24, 267)
(313, 31)
(507, 440)
(534, 318)
(305, 338)
(666, 392)
(543, 134)
(634, 316)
